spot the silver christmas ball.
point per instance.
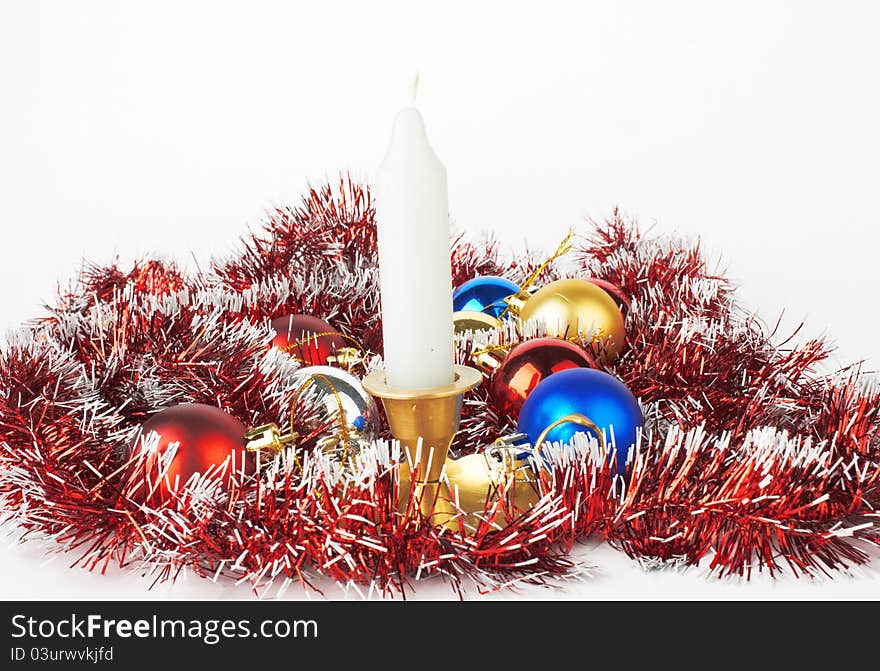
(339, 399)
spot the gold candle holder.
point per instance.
(433, 416)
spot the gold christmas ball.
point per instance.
(577, 308)
(479, 480)
(466, 320)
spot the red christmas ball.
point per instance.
(307, 338)
(181, 441)
(529, 363)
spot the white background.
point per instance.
(168, 128)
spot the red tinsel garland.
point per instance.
(750, 458)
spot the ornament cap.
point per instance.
(516, 301)
(268, 437)
(347, 357)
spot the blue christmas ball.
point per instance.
(484, 294)
(601, 398)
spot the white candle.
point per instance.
(412, 215)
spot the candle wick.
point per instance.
(414, 90)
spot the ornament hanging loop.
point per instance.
(343, 427)
(574, 418)
(516, 301)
